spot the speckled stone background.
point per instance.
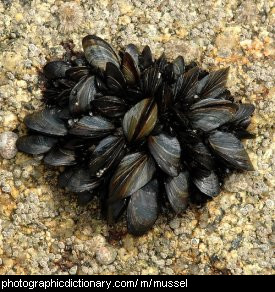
(44, 231)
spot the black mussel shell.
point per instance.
(82, 95)
(58, 97)
(166, 151)
(166, 99)
(76, 73)
(92, 127)
(64, 114)
(206, 181)
(114, 78)
(60, 156)
(243, 115)
(75, 143)
(98, 52)
(56, 69)
(130, 69)
(146, 58)
(177, 191)
(178, 66)
(133, 172)
(186, 86)
(199, 155)
(140, 120)
(197, 197)
(151, 81)
(213, 84)
(231, 150)
(180, 118)
(133, 51)
(110, 106)
(106, 154)
(133, 95)
(208, 118)
(35, 144)
(210, 102)
(115, 210)
(78, 180)
(101, 85)
(142, 210)
(46, 122)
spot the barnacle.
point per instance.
(70, 16)
(138, 131)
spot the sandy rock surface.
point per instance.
(44, 230)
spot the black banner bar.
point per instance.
(130, 282)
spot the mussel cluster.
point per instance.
(137, 131)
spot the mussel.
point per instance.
(98, 52)
(82, 95)
(146, 57)
(231, 150)
(212, 115)
(185, 86)
(130, 64)
(92, 127)
(137, 131)
(140, 120)
(114, 78)
(142, 210)
(133, 172)
(177, 190)
(178, 66)
(46, 122)
(206, 181)
(76, 73)
(78, 180)
(110, 106)
(151, 81)
(213, 84)
(56, 69)
(35, 144)
(106, 154)
(166, 151)
(60, 157)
